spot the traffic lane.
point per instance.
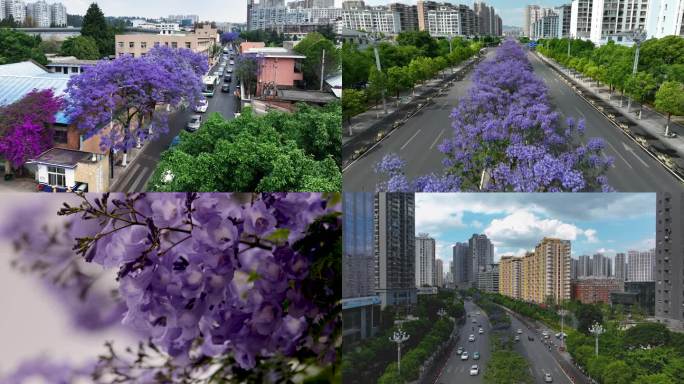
(417, 142)
(457, 370)
(634, 170)
(538, 355)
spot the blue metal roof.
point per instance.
(17, 80)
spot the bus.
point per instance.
(209, 85)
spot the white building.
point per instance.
(16, 9)
(425, 260)
(665, 18)
(615, 19)
(533, 13)
(580, 19)
(58, 15)
(377, 19)
(640, 265)
(39, 12)
(439, 273)
(444, 21)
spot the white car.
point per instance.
(202, 106)
(460, 350)
(232, 62)
(548, 378)
(471, 338)
(517, 338)
(474, 321)
(194, 123)
(480, 331)
(464, 356)
(519, 331)
(474, 370)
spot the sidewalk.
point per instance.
(652, 122)
(365, 120)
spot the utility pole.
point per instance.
(638, 35)
(596, 330)
(377, 64)
(568, 47)
(322, 70)
(399, 337)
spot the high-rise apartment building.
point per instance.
(574, 266)
(665, 17)
(312, 4)
(601, 266)
(534, 13)
(595, 290)
(640, 265)
(564, 13)
(425, 260)
(486, 16)
(58, 15)
(439, 273)
(480, 255)
(584, 266)
(395, 243)
(444, 21)
(620, 266)
(546, 272)
(374, 19)
(408, 15)
(460, 263)
(670, 259)
(488, 280)
(546, 27)
(510, 276)
(358, 261)
(16, 9)
(615, 19)
(580, 19)
(353, 4)
(39, 14)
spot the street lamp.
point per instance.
(638, 35)
(562, 312)
(399, 337)
(374, 40)
(441, 313)
(597, 330)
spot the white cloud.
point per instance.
(476, 224)
(523, 229)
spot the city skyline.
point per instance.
(211, 10)
(594, 223)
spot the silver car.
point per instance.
(194, 123)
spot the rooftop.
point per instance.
(61, 157)
(69, 60)
(306, 96)
(274, 52)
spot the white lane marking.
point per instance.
(139, 179)
(619, 154)
(580, 112)
(437, 139)
(409, 140)
(630, 150)
(130, 172)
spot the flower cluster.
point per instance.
(508, 138)
(226, 282)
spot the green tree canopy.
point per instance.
(507, 367)
(653, 334)
(95, 26)
(312, 46)
(353, 103)
(670, 99)
(18, 46)
(421, 40)
(82, 47)
(274, 152)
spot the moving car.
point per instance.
(480, 331)
(548, 378)
(229, 70)
(474, 370)
(225, 87)
(218, 73)
(476, 356)
(519, 331)
(194, 123)
(464, 356)
(471, 338)
(530, 338)
(474, 321)
(232, 62)
(517, 338)
(459, 350)
(202, 106)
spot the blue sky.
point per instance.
(515, 222)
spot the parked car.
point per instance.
(202, 106)
(474, 370)
(464, 356)
(476, 356)
(225, 87)
(175, 141)
(194, 123)
(548, 378)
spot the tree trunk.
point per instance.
(667, 126)
(8, 168)
(641, 107)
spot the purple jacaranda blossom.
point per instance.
(506, 137)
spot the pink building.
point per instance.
(280, 68)
(247, 45)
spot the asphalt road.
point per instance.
(141, 169)
(538, 355)
(634, 170)
(416, 142)
(457, 370)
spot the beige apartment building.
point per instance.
(139, 44)
(532, 278)
(510, 276)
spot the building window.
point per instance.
(143, 44)
(174, 45)
(156, 43)
(131, 44)
(121, 44)
(188, 45)
(60, 136)
(166, 43)
(57, 176)
(74, 69)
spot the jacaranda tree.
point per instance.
(218, 287)
(26, 127)
(228, 37)
(506, 137)
(127, 92)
